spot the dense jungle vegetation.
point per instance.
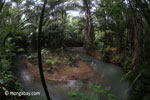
(117, 31)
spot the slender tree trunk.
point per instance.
(2, 5)
(105, 33)
(120, 42)
(39, 52)
(89, 35)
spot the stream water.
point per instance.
(108, 75)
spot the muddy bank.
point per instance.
(61, 68)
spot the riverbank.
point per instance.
(111, 55)
(58, 66)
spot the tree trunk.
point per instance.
(2, 5)
(105, 31)
(89, 35)
(39, 52)
(144, 8)
(137, 48)
(137, 54)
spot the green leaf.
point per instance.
(107, 88)
(72, 93)
(94, 97)
(46, 24)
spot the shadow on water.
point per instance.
(108, 75)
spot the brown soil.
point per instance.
(61, 71)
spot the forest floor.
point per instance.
(60, 67)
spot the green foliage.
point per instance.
(77, 96)
(97, 93)
(32, 56)
(114, 25)
(127, 63)
(141, 83)
(68, 60)
(8, 79)
(107, 48)
(6, 54)
(50, 62)
(45, 52)
(126, 76)
(20, 50)
(117, 57)
(59, 49)
(100, 45)
(98, 36)
(9, 82)
(105, 53)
